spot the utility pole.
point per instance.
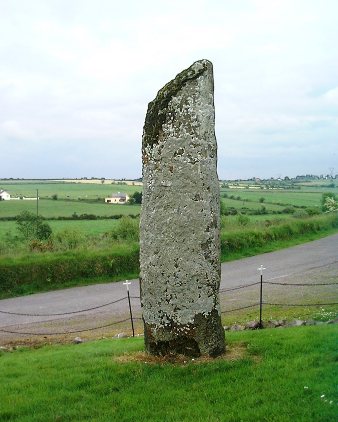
(37, 211)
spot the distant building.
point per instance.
(117, 198)
(4, 196)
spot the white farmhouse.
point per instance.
(4, 196)
(117, 198)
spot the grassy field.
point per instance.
(65, 190)
(235, 203)
(285, 197)
(284, 375)
(242, 235)
(49, 208)
(85, 227)
(93, 227)
(78, 197)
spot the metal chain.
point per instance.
(64, 313)
(66, 332)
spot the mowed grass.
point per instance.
(49, 208)
(270, 375)
(65, 190)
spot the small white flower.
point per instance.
(322, 396)
(305, 387)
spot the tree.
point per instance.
(243, 220)
(329, 202)
(135, 198)
(126, 229)
(43, 231)
(223, 208)
(32, 227)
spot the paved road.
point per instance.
(315, 261)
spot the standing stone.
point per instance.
(180, 245)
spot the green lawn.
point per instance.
(272, 375)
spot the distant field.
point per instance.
(49, 208)
(65, 190)
(325, 184)
(287, 197)
(87, 198)
(251, 205)
(103, 226)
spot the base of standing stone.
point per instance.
(205, 336)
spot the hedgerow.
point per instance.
(236, 241)
(60, 268)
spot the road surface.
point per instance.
(313, 262)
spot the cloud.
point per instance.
(76, 78)
(331, 96)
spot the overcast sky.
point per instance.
(76, 77)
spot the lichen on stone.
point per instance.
(156, 113)
(179, 228)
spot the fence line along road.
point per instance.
(65, 313)
(131, 318)
(304, 262)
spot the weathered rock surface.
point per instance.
(179, 230)
(252, 325)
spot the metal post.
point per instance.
(127, 283)
(261, 269)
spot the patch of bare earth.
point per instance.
(233, 352)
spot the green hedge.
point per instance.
(42, 270)
(251, 238)
(53, 269)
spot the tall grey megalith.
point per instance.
(179, 229)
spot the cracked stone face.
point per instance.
(179, 229)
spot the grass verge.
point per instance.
(272, 375)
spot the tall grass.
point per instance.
(247, 238)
